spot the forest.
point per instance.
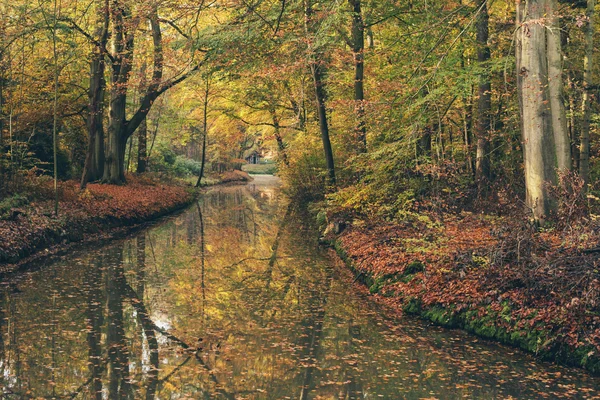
(446, 150)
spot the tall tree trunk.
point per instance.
(538, 139)
(142, 130)
(93, 167)
(2, 84)
(584, 151)
(556, 90)
(358, 49)
(318, 73)
(468, 133)
(484, 103)
(55, 106)
(573, 128)
(142, 157)
(204, 131)
(114, 168)
(123, 42)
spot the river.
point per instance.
(234, 299)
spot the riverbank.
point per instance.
(479, 273)
(29, 231)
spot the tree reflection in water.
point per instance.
(234, 299)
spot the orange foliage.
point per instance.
(517, 279)
(98, 208)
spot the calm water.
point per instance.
(234, 299)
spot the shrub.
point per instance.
(167, 162)
(9, 204)
(305, 177)
(186, 166)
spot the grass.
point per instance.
(260, 169)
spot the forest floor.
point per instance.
(499, 279)
(29, 230)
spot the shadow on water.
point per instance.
(234, 299)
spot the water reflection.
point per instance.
(234, 299)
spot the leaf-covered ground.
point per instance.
(500, 280)
(33, 227)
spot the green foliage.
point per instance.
(9, 204)
(186, 166)
(166, 161)
(169, 156)
(305, 178)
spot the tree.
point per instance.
(93, 168)
(584, 163)
(483, 122)
(358, 50)
(142, 130)
(204, 130)
(556, 89)
(317, 67)
(120, 128)
(541, 118)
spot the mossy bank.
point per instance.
(494, 318)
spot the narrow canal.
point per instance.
(234, 299)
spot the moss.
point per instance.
(413, 306)
(414, 267)
(440, 315)
(321, 220)
(375, 287)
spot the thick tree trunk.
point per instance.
(93, 168)
(358, 49)
(538, 139)
(94, 161)
(556, 90)
(318, 74)
(584, 150)
(114, 168)
(484, 105)
(123, 42)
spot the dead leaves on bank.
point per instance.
(98, 208)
